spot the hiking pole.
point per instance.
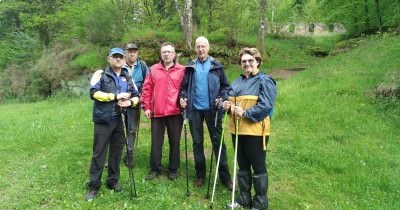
(218, 159)
(186, 153)
(212, 151)
(130, 170)
(236, 148)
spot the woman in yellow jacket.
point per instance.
(251, 101)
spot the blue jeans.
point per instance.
(197, 132)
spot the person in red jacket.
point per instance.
(160, 103)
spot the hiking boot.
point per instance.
(116, 187)
(90, 195)
(260, 199)
(245, 183)
(151, 175)
(199, 182)
(172, 175)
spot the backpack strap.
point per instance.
(143, 65)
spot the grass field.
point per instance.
(334, 146)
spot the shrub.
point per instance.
(390, 87)
(91, 59)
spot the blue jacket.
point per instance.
(107, 110)
(256, 95)
(138, 73)
(218, 85)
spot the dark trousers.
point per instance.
(107, 137)
(132, 128)
(250, 153)
(174, 129)
(197, 132)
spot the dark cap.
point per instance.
(131, 46)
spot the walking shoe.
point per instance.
(151, 175)
(199, 182)
(172, 175)
(116, 187)
(229, 185)
(90, 195)
(235, 206)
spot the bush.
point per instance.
(17, 48)
(390, 87)
(92, 59)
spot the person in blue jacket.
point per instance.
(251, 100)
(112, 92)
(138, 70)
(204, 83)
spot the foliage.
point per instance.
(31, 28)
(89, 60)
(102, 25)
(20, 48)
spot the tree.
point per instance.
(126, 7)
(263, 25)
(378, 14)
(185, 17)
(210, 17)
(366, 10)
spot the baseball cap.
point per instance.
(116, 50)
(131, 46)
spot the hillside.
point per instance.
(334, 145)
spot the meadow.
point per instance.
(334, 145)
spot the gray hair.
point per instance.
(203, 39)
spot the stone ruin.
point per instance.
(304, 29)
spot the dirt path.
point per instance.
(282, 74)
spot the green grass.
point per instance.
(333, 146)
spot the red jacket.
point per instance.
(161, 88)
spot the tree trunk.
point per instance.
(263, 25)
(355, 19)
(378, 13)
(185, 18)
(210, 17)
(366, 15)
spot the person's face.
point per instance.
(248, 64)
(131, 55)
(116, 60)
(202, 50)
(167, 54)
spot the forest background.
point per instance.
(45, 44)
(335, 140)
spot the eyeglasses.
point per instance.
(117, 56)
(250, 61)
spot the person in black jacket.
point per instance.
(204, 83)
(112, 92)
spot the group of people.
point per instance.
(202, 90)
